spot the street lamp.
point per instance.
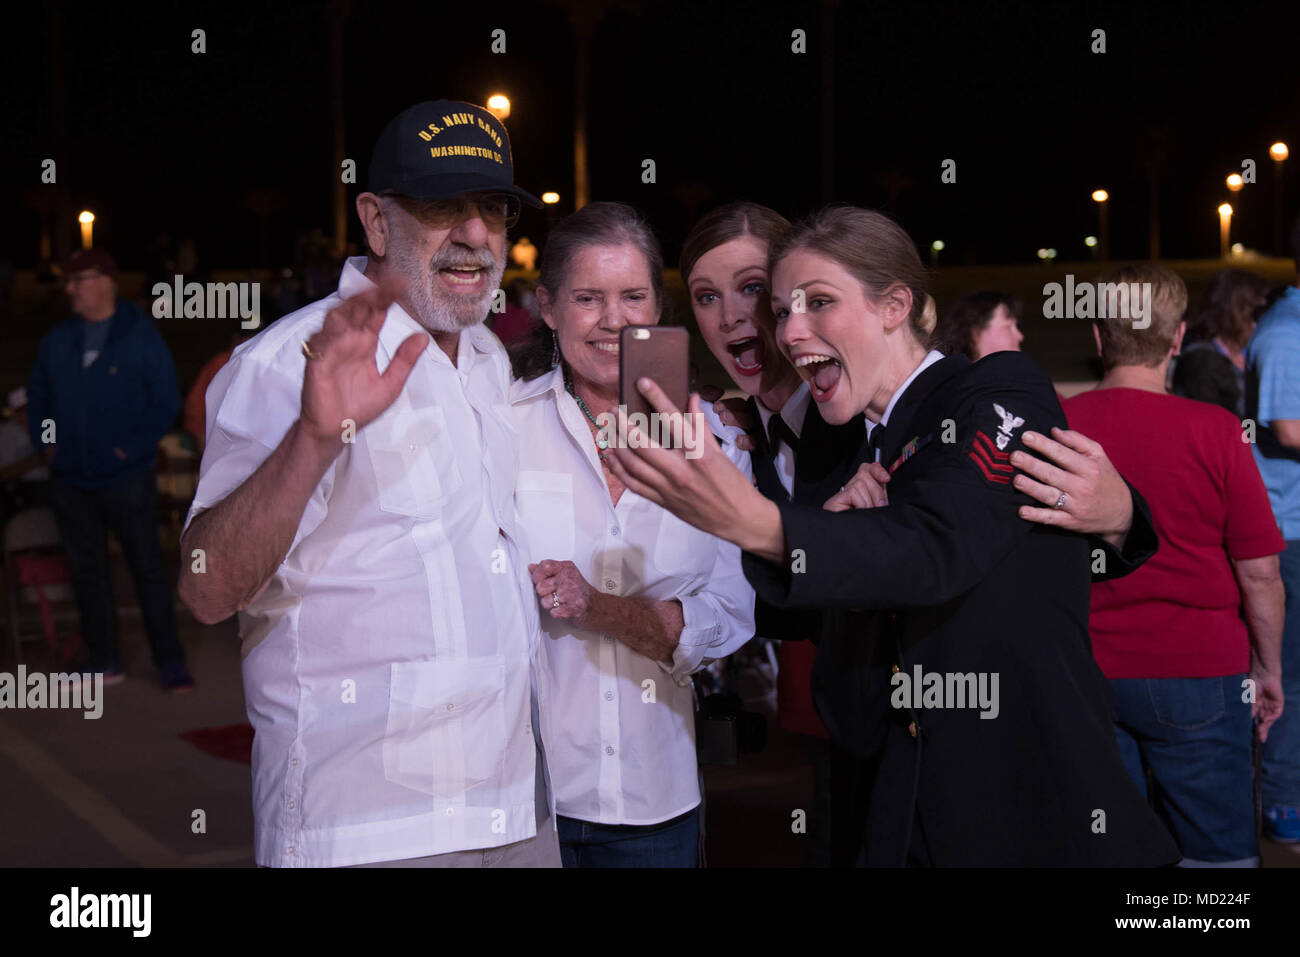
(936, 247)
(1225, 226)
(498, 105)
(551, 200)
(1100, 196)
(87, 220)
(1235, 182)
(1279, 152)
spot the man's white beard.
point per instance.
(435, 308)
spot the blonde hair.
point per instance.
(929, 315)
(1121, 343)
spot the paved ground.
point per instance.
(123, 790)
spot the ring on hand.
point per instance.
(306, 350)
(555, 599)
(1060, 502)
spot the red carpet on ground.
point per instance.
(234, 742)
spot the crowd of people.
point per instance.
(1013, 630)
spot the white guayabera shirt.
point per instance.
(387, 666)
(624, 748)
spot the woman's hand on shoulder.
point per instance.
(1071, 469)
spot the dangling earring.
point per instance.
(555, 349)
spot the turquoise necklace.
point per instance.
(601, 443)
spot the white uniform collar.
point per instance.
(931, 357)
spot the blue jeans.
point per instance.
(1194, 735)
(1280, 760)
(673, 843)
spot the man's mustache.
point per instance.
(463, 260)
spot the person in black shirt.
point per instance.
(971, 678)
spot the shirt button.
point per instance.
(451, 707)
(911, 729)
(613, 530)
(451, 811)
(291, 805)
(609, 584)
(289, 849)
(609, 749)
(294, 762)
(609, 696)
(608, 638)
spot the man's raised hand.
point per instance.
(344, 382)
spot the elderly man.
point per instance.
(356, 507)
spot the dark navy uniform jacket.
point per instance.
(947, 577)
(828, 457)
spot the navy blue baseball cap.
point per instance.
(444, 148)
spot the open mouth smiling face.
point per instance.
(728, 288)
(605, 289)
(830, 332)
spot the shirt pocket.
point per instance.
(446, 725)
(545, 504)
(682, 550)
(414, 463)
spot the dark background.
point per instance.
(158, 138)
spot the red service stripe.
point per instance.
(1000, 479)
(992, 449)
(994, 465)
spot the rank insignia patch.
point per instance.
(992, 461)
(1010, 422)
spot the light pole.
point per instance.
(1279, 152)
(1225, 227)
(1100, 197)
(1235, 183)
(551, 199)
(87, 220)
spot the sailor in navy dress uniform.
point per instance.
(949, 579)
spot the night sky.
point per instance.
(161, 139)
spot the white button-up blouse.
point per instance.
(621, 744)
